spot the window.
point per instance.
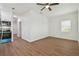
(66, 26)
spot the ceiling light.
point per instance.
(47, 6)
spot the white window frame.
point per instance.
(66, 26)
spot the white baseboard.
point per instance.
(65, 38)
(38, 38)
(34, 39)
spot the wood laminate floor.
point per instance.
(46, 47)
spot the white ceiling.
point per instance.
(64, 8)
(21, 8)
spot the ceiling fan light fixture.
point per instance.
(47, 5)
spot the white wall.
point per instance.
(34, 26)
(78, 24)
(56, 26)
(19, 27)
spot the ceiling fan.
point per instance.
(47, 5)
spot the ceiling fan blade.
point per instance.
(42, 4)
(43, 8)
(49, 9)
(54, 4)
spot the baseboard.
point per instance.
(50, 37)
(44, 37)
(34, 39)
(40, 39)
(37, 39)
(63, 38)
